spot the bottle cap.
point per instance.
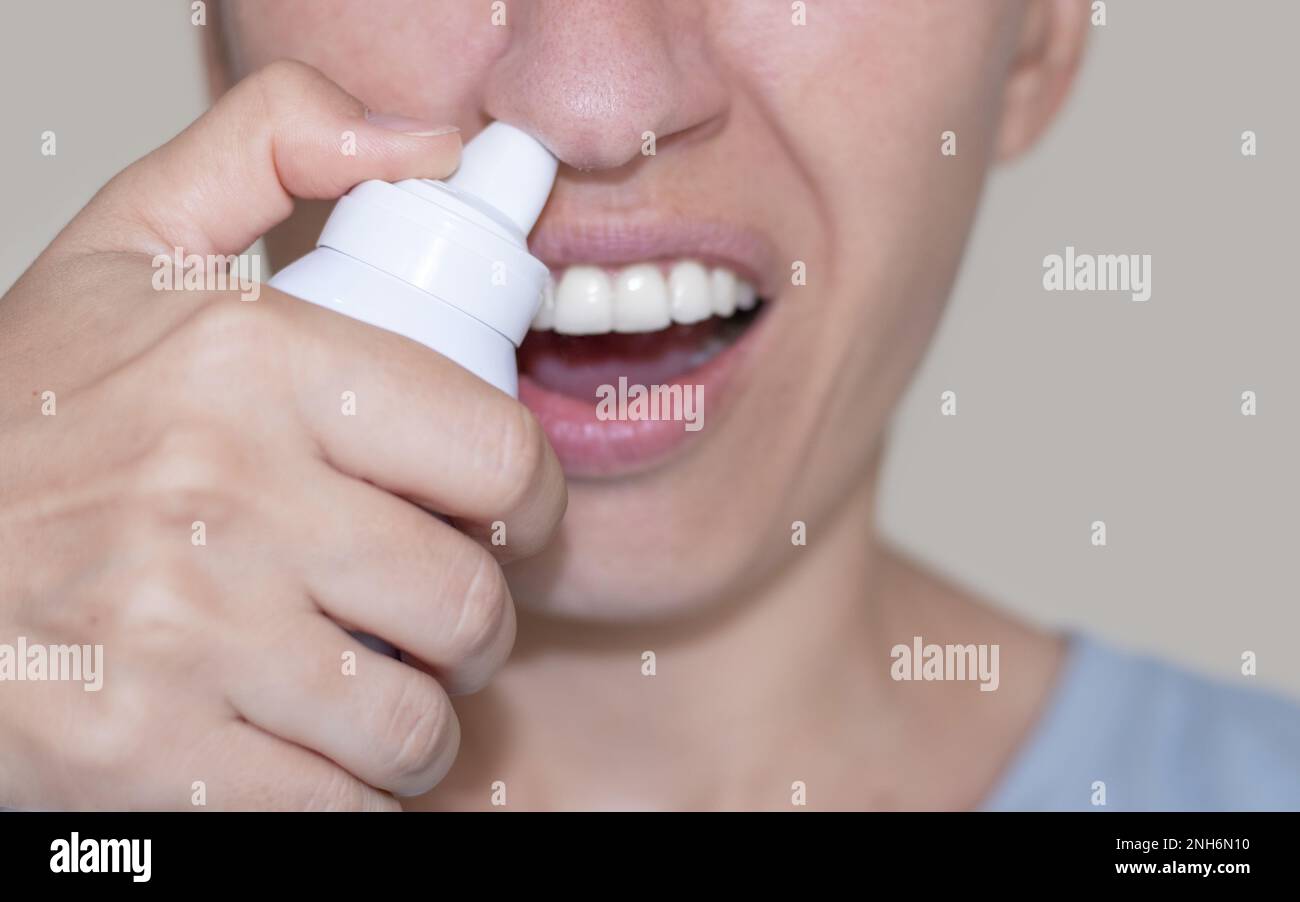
(462, 240)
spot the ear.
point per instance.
(1052, 35)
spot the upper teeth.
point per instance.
(590, 300)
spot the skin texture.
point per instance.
(772, 659)
(224, 659)
(840, 124)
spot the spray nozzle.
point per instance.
(508, 169)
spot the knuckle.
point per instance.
(283, 86)
(159, 609)
(286, 76)
(229, 336)
(191, 475)
(184, 460)
(521, 456)
(484, 609)
(114, 742)
(335, 790)
(153, 596)
(414, 727)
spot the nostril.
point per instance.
(589, 148)
(599, 82)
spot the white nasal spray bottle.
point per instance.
(444, 263)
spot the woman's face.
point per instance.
(805, 158)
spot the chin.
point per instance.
(612, 567)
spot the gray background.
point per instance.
(1071, 407)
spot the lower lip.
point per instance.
(591, 447)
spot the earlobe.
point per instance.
(1050, 45)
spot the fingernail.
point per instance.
(416, 128)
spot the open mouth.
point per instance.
(652, 324)
(663, 331)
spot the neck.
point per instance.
(787, 684)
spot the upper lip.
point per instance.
(612, 242)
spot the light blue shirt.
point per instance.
(1161, 739)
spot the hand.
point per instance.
(181, 487)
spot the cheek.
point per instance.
(862, 109)
(869, 97)
(421, 58)
(863, 93)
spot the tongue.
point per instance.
(577, 365)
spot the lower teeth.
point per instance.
(576, 365)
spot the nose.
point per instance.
(598, 81)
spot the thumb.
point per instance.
(286, 131)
